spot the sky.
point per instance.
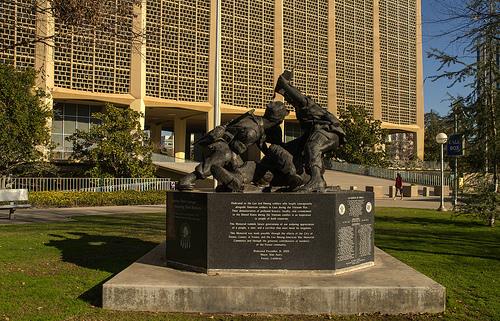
(436, 94)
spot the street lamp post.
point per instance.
(441, 139)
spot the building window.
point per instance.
(292, 131)
(67, 119)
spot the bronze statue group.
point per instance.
(296, 166)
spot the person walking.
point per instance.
(399, 186)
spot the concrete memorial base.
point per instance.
(233, 232)
(389, 287)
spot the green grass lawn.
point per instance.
(55, 271)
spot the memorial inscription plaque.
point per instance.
(285, 231)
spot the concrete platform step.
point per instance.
(389, 287)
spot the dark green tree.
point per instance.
(116, 146)
(365, 138)
(24, 133)
(433, 125)
(476, 30)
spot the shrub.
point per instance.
(479, 199)
(83, 199)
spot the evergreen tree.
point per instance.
(476, 30)
(365, 138)
(433, 125)
(116, 147)
(24, 132)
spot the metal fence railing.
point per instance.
(412, 177)
(42, 184)
(162, 158)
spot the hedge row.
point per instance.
(83, 199)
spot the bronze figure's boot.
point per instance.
(187, 182)
(283, 80)
(231, 181)
(291, 94)
(294, 181)
(316, 183)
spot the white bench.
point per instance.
(13, 196)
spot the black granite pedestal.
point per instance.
(224, 232)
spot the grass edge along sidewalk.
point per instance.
(55, 271)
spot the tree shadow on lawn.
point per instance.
(448, 221)
(100, 252)
(449, 253)
(459, 242)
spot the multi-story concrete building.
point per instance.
(359, 52)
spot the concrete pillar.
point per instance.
(332, 74)
(44, 51)
(180, 138)
(377, 78)
(44, 57)
(210, 123)
(139, 106)
(420, 85)
(138, 62)
(419, 143)
(213, 67)
(155, 132)
(279, 61)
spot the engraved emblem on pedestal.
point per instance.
(341, 209)
(369, 207)
(185, 240)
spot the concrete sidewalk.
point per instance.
(48, 215)
(431, 202)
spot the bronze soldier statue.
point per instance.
(322, 133)
(225, 144)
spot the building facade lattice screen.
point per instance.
(398, 56)
(305, 42)
(177, 61)
(354, 53)
(177, 49)
(17, 29)
(247, 52)
(94, 60)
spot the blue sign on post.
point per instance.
(455, 145)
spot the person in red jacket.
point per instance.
(399, 186)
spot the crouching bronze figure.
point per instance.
(292, 166)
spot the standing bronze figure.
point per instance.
(322, 133)
(285, 165)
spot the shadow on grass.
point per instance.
(429, 221)
(439, 235)
(99, 252)
(446, 253)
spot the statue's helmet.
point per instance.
(276, 111)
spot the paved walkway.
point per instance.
(344, 180)
(47, 215)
